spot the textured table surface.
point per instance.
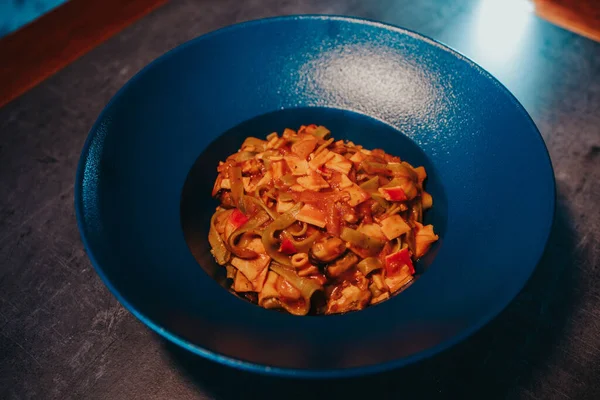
(64, 336)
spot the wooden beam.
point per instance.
(43, 47)
(579, 16)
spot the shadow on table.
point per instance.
(493, 363)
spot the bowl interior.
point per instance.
(197, 206)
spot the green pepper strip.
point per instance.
(268, 236)
(394, 209)
(375, 168)
(380, 200)
(301, 232)
(369, 265)
(358, 239)
(249, 226)
(302, 246)
(258, 201)
(403, 169)
(219, 249)
(371, 185)
(306, 286)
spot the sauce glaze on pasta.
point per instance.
(307, 224)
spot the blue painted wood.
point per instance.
(17, 13)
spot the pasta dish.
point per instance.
(311, 225)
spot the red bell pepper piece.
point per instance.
(395, 193)
(237, 218)
(287, 247)
(395, 262)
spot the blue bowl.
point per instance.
(142, 191)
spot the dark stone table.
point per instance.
(64, 336)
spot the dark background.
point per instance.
(64, 336)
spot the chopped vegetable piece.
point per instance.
(403, 170)
(369, 265)
(237, 219)
(371, 185)
(287, 247)
(369, 245)
(395, 262)
(393, 193)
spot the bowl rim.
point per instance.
(283, 371)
